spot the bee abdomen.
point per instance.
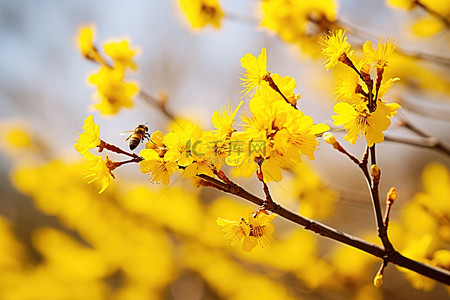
(134, 142)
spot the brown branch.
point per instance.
(113, 148)
(394, 257)
(274, 87)
(430, 143)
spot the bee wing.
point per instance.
(128, 132)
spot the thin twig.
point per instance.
(375, 195)
(437, 143)
(113, 148)
(153, 101)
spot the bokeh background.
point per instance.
(143, 241)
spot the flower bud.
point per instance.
(378, 280)
(375, 171)
(329, 138)
(391, 195)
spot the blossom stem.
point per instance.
(373, 185)
(113, 148)
(426, 143)
(120, 163)
(387, 213)
(339, 148)
(365, 77)
(260, 176)
(274, 86)
(437, 143)
(373, 156)
(394, 257)
(378, 83)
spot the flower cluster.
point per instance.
(275, 134)
(113, 92)
(98, 168)
(299, 22)
(361, 111)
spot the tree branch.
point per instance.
(394, 257)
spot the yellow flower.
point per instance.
(100, 169)
(203, 156)
(86, 45)
(179, 143)
(113, 91)
(234, 232)
(358, 121)
(428, 25)
(303, 133)
(223, 120)
(121, 53)
(335, 45)
(85, 40)
(200, 13)
(156, 143)
(15, 137)
(256, 68)
(292, 19)
(255, 230)
(286, 85)
(90, 138)
(381, 55)
(215, 148)
(275, 132)
(160, 170)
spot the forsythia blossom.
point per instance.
(200, 13)
(100, 169)
(299, 22)
(335, 46)
(121, 53)
(275, 133)
(90, 138)
(256, 68)
(381, 55)
(362, 112)
(252, 231)
(159, 169)
(114, 92)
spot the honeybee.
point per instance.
(137, 135)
